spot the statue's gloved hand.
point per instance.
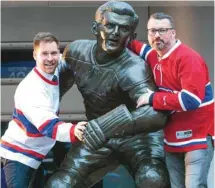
(107, 126)
(94, 138)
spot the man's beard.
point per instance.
(159, 46)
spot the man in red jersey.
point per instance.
(182, 77)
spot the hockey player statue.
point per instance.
(111, 79)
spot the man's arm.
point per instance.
(196, 88)
(191, 95)
(35, 113)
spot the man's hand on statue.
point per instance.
(144, 99)
(79, 130)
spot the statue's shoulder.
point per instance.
(133, 61)
(134, 72)
(134, 58)
(133, 65)
(79, 49)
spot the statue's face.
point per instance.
(114, 32)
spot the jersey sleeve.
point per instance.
(192, 76)
(37, 117)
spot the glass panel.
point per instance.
(16, 63)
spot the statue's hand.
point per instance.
(93, 136)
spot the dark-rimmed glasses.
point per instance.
(161, 31)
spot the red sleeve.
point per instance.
(192, 77)
(135, 46)
(72, 134)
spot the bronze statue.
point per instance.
(111, 79)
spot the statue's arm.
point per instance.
(136, 81)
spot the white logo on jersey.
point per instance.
(184, 134)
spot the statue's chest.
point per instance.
(97, 83)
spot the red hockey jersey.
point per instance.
(184, 87)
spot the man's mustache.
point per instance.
(157, 40)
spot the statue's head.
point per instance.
(114, 26)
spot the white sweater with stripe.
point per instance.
(35, 125)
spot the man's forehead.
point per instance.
(46, 45)
(158, 22)
(117, 18)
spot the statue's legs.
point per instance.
(144, 156)
(152, 174)
(78, 164)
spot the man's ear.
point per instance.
(94, 28)
(34, 55)
(174, 32)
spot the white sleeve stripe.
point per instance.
(208, 83)
(192, 95)
(207, 103)
(142, 49)
(181, 102)
(63, 132)
(184, 142)
(154, 71)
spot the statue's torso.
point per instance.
(98, 84)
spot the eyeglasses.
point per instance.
(161, 31)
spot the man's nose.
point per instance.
(157, 34)
(50, 57)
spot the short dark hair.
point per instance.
(44, 36)
(121, 8)
(161, 16)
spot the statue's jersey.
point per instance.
(104, 87)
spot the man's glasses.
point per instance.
(161, 31)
